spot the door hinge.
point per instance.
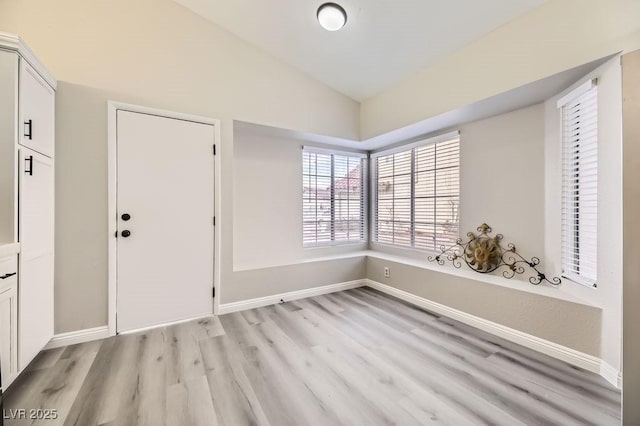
(214, 221)
(214, 149)
(213, 292)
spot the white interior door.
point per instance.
(165, 183)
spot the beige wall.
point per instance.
(556, 36)
(250, 284)
(81, 208)
(631, 271)
(267, 194)
(267, 200)
(608, 294)
(502, 179)
(157, 54)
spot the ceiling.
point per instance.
(383, 42)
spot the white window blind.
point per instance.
(418, 194)
(580, 185)
(333, 198)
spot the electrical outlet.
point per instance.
(387, 272)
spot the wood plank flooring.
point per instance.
(357, 357)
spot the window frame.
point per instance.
(364, 179)
(574, 95)
(374, 188)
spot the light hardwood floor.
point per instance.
(357, 357)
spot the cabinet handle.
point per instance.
(5, 276)
(29, 160)
(28, 125)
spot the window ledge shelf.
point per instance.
(325, 258)
(513, 284)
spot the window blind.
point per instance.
(418, 194)
(333, 198)
(580, 186)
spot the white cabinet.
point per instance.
(37, 107)
(27, 135)
(36, 229)
(8, 321)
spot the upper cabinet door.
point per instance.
(37, 111)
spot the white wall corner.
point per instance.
(292, 295)
(79, 336)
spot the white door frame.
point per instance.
(113, 107)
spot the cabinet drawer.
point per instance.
(8, 266)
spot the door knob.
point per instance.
(126, 233)
(126, 217)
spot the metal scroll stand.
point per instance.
(484, 254)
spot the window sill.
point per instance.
(320, 258)
(583, 282)
(513, 284)
(422, 263)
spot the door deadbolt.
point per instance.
(126, 217)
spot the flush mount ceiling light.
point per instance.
(332, 16)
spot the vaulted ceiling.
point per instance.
(384, 41)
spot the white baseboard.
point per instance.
(563, 353)
(292, 295)
(79, 336)
(611, 374)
